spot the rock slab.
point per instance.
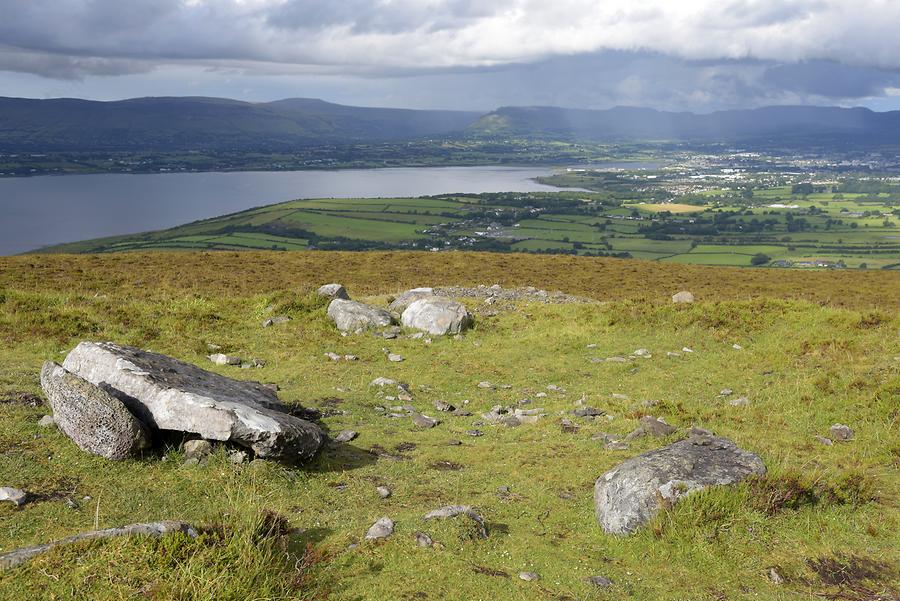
(353, 316)
(168, 394)
(438, 316)
(629, 495)
(95, 420)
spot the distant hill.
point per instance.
(197, 123)
(167, 124)
(783, 123)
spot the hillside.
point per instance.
(813, 349)
(186, 123)
(785, 125)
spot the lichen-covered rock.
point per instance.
(628, 496)
(405, 299)
(168, 394)
(95, 420)
(352, 316)
(437, 316)
(333, 291)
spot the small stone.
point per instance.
(346, 435)
(237, 457)
(47, 422)
(333, 291)
(695, 431)
(555, 388)
(529, 576)
(220, 359)
(683, 297)
(423, 540)
(600, 581)
(474, 433)
(382, 382)
(423, 421)
(775, 577)
(443, 406)
(825, 441)
(616, 359)
(197, 449)
(587, 412)
(841, 433)
(541, 395)
(642, 353)
(383, 491)
(736, 347)
(485, 384)
(274, 321)
(16, 495)
(394, 358)
(725, 392)
(616, 445)
(454, 443)
(333, 356)
(620, 397)
(672, 354)
(591, 346)
(510, 421)
(382, 528)
(351, 358)
(739, 402)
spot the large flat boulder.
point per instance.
(95, 420)
(437, 316)
(404, 299)
(353, 316)
(168, 394)
(629, 495)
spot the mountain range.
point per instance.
(198, 123)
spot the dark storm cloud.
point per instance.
(698, 54)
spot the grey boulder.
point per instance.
(437, 316)
(405, 299)
(168, 394)
(683, 297)
(333, 291)
(95, 420)
(352, 316)
(629, 495)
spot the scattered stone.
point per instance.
(437, 316)
(686, 350)
(454, 443)
(154, 529)
(775, 577)
(451, 511)
(333, 356)
(652, 426)
(197, 449)
(529, 576)
(405, 299)
(15, 495)
(555, 388)
(47, 421)
(238, 457)
(620, 397)
(616, 445)
(486, 385)
(736, 347)
(642, 353)
(510, 421)
(540, 395)
(253, 363)
(739, 402)
(683, 297)
(475, 433)
(352, 316)
(600, 581)
(382, 382)
(351, 358)
(695, 431)
(628, 496)
(616, 359)
(591, 346)
(274, 321)
(95, 420)
(382, 528)
(443, 406)
(672, 354)
(168, 394)
(567, 426)
(333, 291)
(383, 491)
(394, 358)
(841, 433)
(423, 421)
(725, 392)
(346, 435)
(587, 412)
(825, 441)
(220, 359)
(423, 540)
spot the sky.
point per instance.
(694, 55)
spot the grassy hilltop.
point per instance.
(817, 348)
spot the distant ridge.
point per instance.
(198, 123)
